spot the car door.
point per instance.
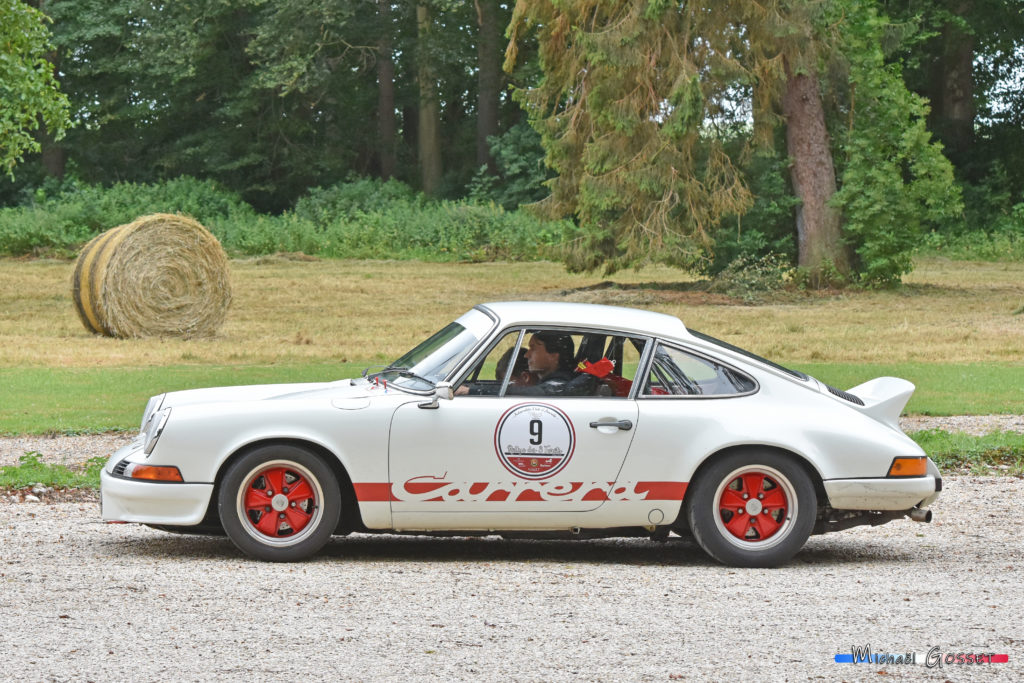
(507, 461)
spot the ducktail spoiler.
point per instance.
(884, 398)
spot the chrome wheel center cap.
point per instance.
(279, 502)
(754, 506)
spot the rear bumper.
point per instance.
(127, 500)
(882, 493)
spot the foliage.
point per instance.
(444, 231)
(895, 181)
(988, 35)
(30, 470)
(637, 167)
(654, 163)
(977, 245)
(60, 224)
(267, 97)
(361, 219)
(348, 199)
(28, 88)
(521, 174)
(1000, 451)
(767, 228)
(748, 277)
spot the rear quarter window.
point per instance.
(675, 372)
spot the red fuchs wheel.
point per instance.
(755, 506)
(279, 503)
(752, 509)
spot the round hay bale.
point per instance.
(161, 275)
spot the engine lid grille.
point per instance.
(846, 396)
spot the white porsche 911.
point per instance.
(530, 419)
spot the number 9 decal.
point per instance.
(534, 440)
(536, 431)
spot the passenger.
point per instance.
(521, 375)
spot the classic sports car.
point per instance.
(527, 419)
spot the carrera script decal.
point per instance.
(534, 440)
(432, 489)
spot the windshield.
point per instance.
(434, 359)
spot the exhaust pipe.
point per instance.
(919, 515)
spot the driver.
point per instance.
(551, 356)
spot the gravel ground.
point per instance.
(83, 600)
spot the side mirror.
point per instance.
(441, 390)
(444, 390)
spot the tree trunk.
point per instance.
(489, 55)
(385, 93)
(429, 129)
(953, 100)
(814, 178)
(52, 156)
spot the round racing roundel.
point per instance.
(534, 440)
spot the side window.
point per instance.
(675, 372)
(488, 376)
(555, 362)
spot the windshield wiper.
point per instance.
(402, 372)
(388, 368)
(405, 372)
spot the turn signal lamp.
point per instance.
(152, 472)
(909, 467)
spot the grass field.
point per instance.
(955, 329)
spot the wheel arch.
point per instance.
(802, 461)
(350, 520)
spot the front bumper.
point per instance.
(127, 500)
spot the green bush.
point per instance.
(442, 231)
(519, 162)
(768, 227)
(996, 245)
(750, 277)
(61, 223)
(323, 206)
(360, 219)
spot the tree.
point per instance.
(640, 102)
(428, 132)
(387, 124)
(621, 108)
(272, 97)
(489, 80)
(29, 93)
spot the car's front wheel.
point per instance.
(752, 508)
(279, 503)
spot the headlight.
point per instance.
(151, 407)
(154, 429)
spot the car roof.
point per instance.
(587, 315)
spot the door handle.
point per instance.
(624, 425)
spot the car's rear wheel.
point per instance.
(752, 508)
(279, 503)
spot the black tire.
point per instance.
(301, 508)
(752, 508)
